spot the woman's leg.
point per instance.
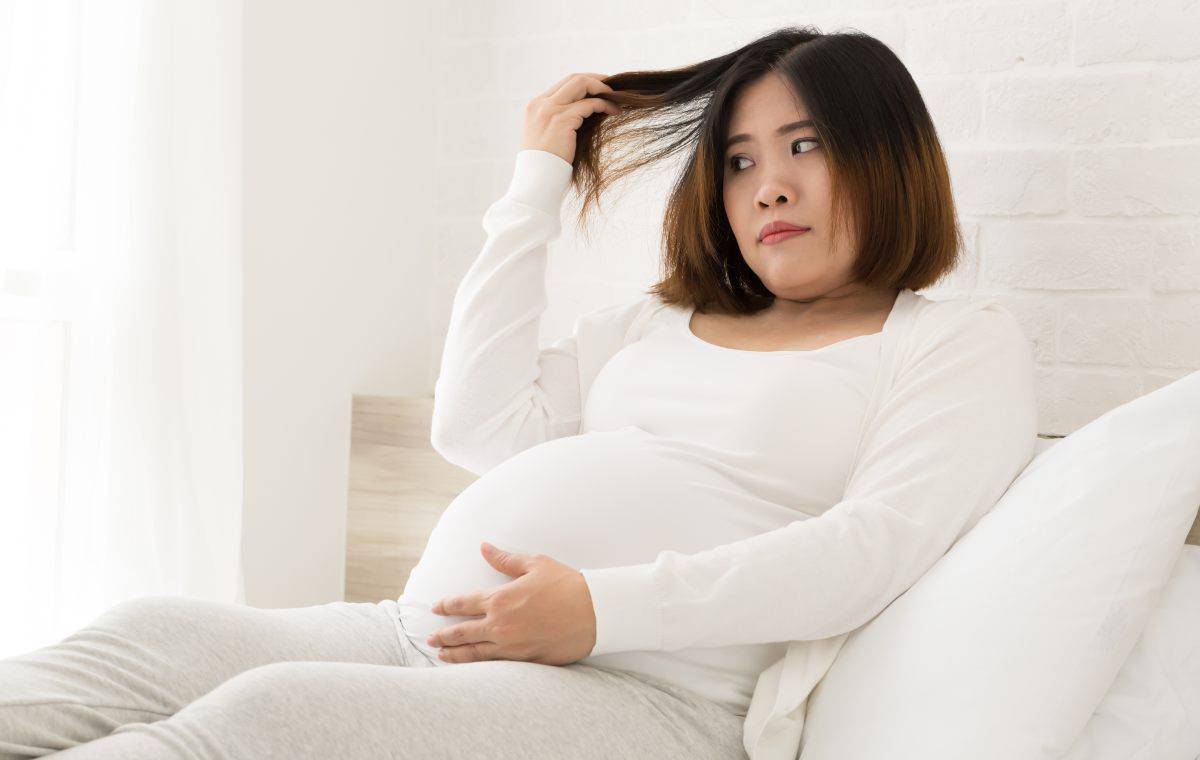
(145, 659)
(486, 709)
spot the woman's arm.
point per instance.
(496, 393)
(957, 428)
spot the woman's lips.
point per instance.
(776, 237)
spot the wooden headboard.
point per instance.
(399, 487)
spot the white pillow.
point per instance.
(1152, 710)
(1007, 645)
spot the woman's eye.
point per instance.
(733, 165)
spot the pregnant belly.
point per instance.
(600, 499)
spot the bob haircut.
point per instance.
(887, 169)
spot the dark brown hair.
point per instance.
(887, 169)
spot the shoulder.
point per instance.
(981, 329)
(625, 315)
(939, 319)
(604, 331)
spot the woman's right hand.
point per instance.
(552, 117)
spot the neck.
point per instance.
(853, 297)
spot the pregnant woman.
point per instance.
(685, 506)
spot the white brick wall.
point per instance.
(1072, 131)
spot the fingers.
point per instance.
(553, 118)
(554, 87)
(574, 113)
(471, 653)
(470, 604)
(575, 87)
(457, 635)
(570, 97)
(566, 97)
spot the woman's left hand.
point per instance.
(545, 615)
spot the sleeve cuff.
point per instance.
(540, 179)
(625, 601)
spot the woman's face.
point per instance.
(771, 176)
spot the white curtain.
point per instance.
(120, 308)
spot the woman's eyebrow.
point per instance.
(792, 126)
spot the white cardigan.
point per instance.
(950, 424)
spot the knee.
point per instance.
(278, 675)
(152, 617)
(275, 683)
(294, 681)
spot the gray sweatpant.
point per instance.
(177, 677)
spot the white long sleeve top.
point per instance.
(945, 421)
(663, 462)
